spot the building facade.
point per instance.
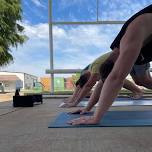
(9, 81)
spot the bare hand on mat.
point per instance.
(79, 111)
(86, 120)
(68, 105)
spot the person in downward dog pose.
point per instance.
(88, 79)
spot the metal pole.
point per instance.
(97, 10)
(51, 43)
(87, 23)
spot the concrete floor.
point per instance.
(25, 130)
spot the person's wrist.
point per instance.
(96, 119)
(73, 104)
(76, 102)
(87, 109)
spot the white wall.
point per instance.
(9, 86)
(27, 80)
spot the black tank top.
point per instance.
(145, 55)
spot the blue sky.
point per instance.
(74, 46)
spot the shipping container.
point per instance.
(59, 84)
(46, 81)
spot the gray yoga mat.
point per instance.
(110, 119)
(147, 101)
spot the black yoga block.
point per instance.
(26, 101)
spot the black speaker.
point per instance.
(26, 101)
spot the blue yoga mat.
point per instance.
(110, 119)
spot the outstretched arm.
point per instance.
(92, 100)
(94, 96)
(87, 87)
(75, 94)
(85, 90)
(130, 47)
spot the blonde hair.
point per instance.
(108, 65)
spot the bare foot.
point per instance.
(137, 96)
(67, 100)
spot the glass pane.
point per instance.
(78, 46)
(74, 10)
(120, 10)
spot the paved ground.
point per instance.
(25, 130)
(6, 97)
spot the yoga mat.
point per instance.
(122, 102)
(110, 119)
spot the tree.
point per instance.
(11, 32)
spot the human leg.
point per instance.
(136, 91)
(141, 75)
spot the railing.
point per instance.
(87, 23)
(62, 71)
